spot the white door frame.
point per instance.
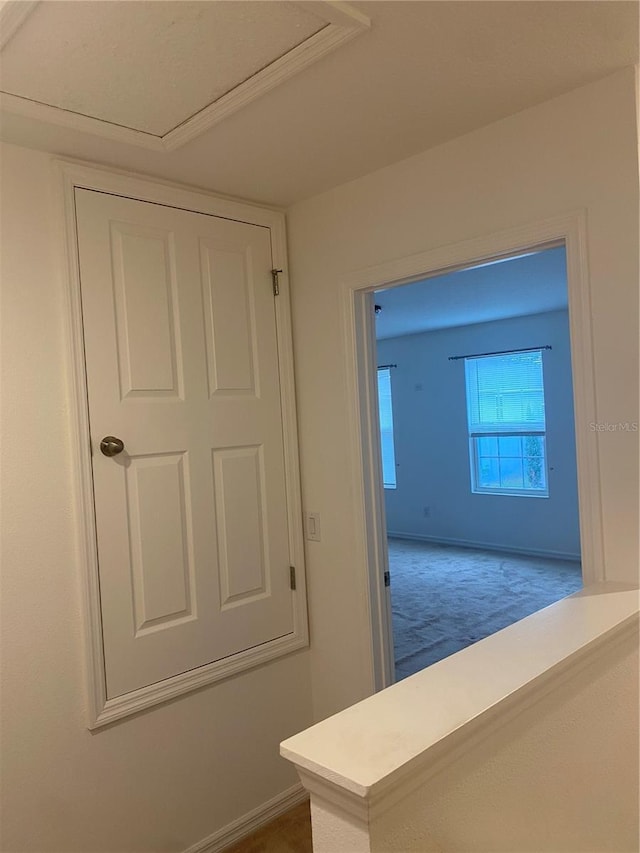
(68, 175)
(357, 288)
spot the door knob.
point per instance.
(111, 446)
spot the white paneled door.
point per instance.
(182, 367)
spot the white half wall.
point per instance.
(562, 776)
(537, 751)
(166, 778)
(575, 152)
(432, 443)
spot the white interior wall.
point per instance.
(577, 151)
(432, 443)
(560, 777)
(168, 777)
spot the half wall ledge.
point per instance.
(363, 762)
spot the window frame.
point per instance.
(474, 458)
(386, 370)
(474, 437)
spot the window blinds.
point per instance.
(505, 393)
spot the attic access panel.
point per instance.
(158, 74)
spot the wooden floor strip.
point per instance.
(289, 833)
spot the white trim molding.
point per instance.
(569, 230)
(250, 822)
(342, 23)
(69, 176)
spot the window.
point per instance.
(506, 418)
(386, 428)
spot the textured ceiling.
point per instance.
(147, 65)
(424, 73)
(529, 284)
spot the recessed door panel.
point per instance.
(143, 284)
(241, 520)
(227, 289)
(160, 535)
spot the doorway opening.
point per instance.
(510, 465)
(478, 451)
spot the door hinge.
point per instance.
(276, 284)
(292, 577)
(387, 578)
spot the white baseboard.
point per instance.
(486, 546)
(248, 823)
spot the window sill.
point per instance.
(388, 744)
(509, 494)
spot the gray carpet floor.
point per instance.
(444, 598)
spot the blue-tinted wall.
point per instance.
(432, 446)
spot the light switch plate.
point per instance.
(312, 526)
